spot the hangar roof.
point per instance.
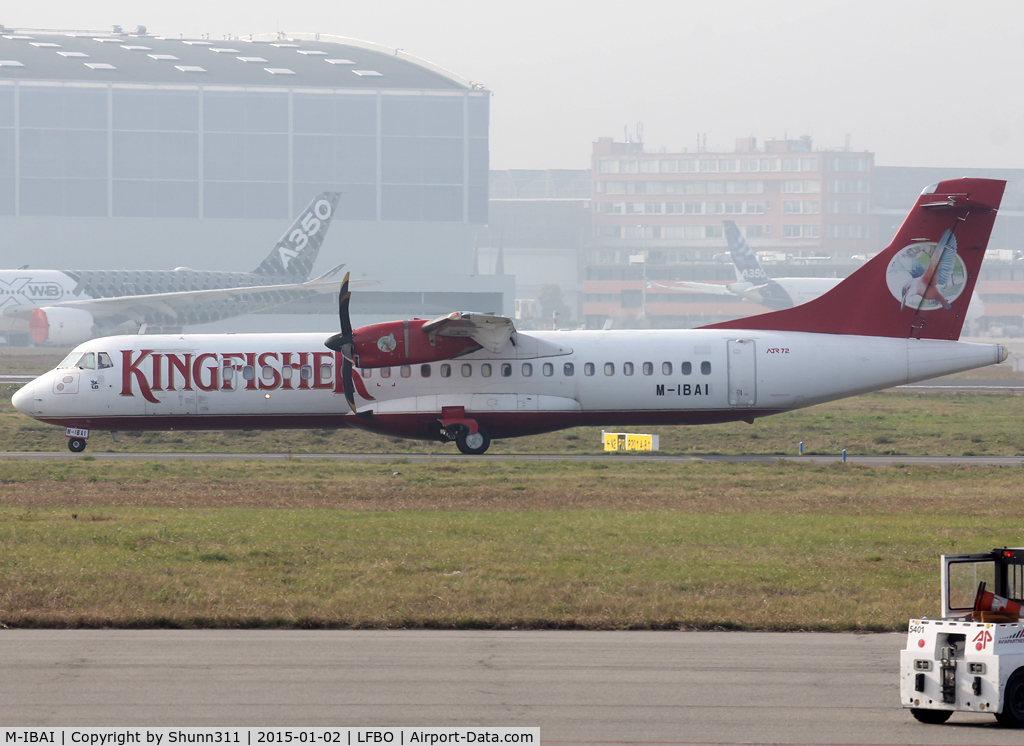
(293, 60)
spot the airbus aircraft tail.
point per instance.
(295, 253)
(748, 269)
(920, 286)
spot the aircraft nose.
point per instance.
(22, 399)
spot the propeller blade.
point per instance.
(338, 341)
(346, 377)
(342, 342)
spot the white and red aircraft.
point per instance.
(470, 377)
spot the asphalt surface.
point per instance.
(443, 457)
(577, 687)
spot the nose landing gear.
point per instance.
(76, 445)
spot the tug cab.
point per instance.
(971, 658)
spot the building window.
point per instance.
(753, 231)
(842, 230)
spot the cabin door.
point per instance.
(742, 373)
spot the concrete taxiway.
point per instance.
(577, 687)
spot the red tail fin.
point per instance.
(918, 287)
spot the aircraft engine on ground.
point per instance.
(63, 327)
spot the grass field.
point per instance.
(551, 545)
(884, 423)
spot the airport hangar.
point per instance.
(133, 151)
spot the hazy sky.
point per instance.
(930, 83)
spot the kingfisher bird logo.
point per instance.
(927, 276)
(387, 344)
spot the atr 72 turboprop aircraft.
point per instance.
(65, 307)
(470, 377)
(754, 284)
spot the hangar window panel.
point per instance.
(6, 153)
(401, 202)
(401, 160)
(355, 159)
(442, 204)
(478, 116)
(442, 160)
(478, 162)
(248, 157)
(64, 108)
(175, 111)
(313, 157)
(442, 116)
(156, 199)
(156, 155)
(229, 111)
(7, 106)
(64, 197)
(400, 115)
(245, 200)
(358, 201)
(6, 197)
(332, 114)
(63, 153)
(478, 204)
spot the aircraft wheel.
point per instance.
(473, 444)
(76, 445)
(931, 717)
(1012, 715)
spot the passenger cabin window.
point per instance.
(485, 370)
(267, 372)
(666, 369)
(405, 370)
(325, 372)
(366, 372)
(527, 369)
(686, 368)
(228, 373)
(446, 370)
(467, 370)
(286, 372)
(385, 372)
(425, 370)
(648, 369)
(306, 372)
(588, 369)
(549, 369)
(506, 369)
(104, 361)
(609, 369)
(248, 372)
(705, 368)
(627, 369)
(568, 369)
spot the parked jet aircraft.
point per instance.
(469, 377)
(754, 284)
(65, 307)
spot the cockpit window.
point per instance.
(104, 361)
(88, 361)
(70, 360)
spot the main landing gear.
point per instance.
(472, 444)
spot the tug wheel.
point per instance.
(473, 444)
(932, 717)
(76, 445)
(1012, 715)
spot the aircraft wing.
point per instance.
(684, 286)
(138, 307)
(487, 330)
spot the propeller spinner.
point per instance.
(342, 342)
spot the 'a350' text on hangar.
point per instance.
(133, 151)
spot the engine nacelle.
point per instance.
(404, 343)
(64, 327)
